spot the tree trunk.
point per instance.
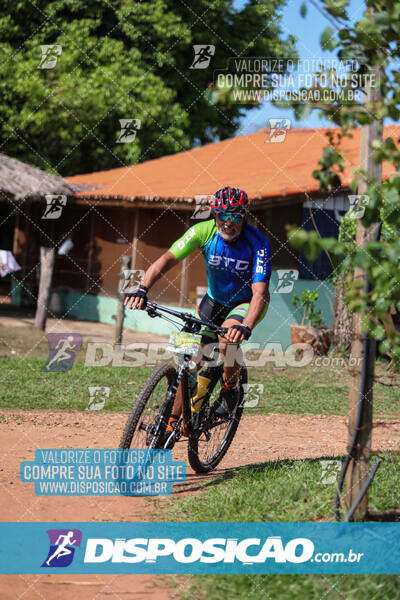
(119, 319)
(358, 469)
(342, 321)
(47, 256)
(363, 348)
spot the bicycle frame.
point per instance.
(191, 324)
(182, 377)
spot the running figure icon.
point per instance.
(203, 54)
(62, 353)
(63, 544)
(287, 279)
(62, 549)
(55, 205)
(63, 347)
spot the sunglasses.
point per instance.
(234, 217)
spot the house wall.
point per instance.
(112, 239)
(157, 230)
(7, 226)
(103, 234)
(94, 298)
(26, 254)
(113, 233)
(92, 265)
(325, 215)
(276, 219)
(33, 232)
(275, 327)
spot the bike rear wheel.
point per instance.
(140, 427)
(207, 450)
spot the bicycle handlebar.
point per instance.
(153, 307)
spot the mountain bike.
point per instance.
(209, 435)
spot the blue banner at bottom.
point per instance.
(167, 548)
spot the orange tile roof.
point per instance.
(262, 169)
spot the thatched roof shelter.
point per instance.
(21, 181)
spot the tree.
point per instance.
(343, 318)
(122, 60)
(374, 40)
(372, 43)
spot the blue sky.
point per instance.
(308, 31)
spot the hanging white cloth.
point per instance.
(8, 264)
(65, 247)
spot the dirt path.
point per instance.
(89, 330)
(259, 438)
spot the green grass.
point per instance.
(22, 341)
(276, 491)
(318, 390)
(289, 587)
(24, 385)
(283, 490)
(311, 390)
(306, 390)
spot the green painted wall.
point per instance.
(275, 327)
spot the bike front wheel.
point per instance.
(206, 450)
(141, 427)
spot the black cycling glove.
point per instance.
(140, 292)
(243, 329)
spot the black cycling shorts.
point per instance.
(211, 310)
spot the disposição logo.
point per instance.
(63, 543)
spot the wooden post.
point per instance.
(119, 320)
(90, 252)
(363, 352)
(16, 232)
(27, 228)
(14, 278)
(183, 286)
(135, 239)
(47, 256)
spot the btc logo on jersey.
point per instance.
(238, 265)
(261, 261)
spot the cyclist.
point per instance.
(237, 258)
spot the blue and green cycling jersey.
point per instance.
(232, 267)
